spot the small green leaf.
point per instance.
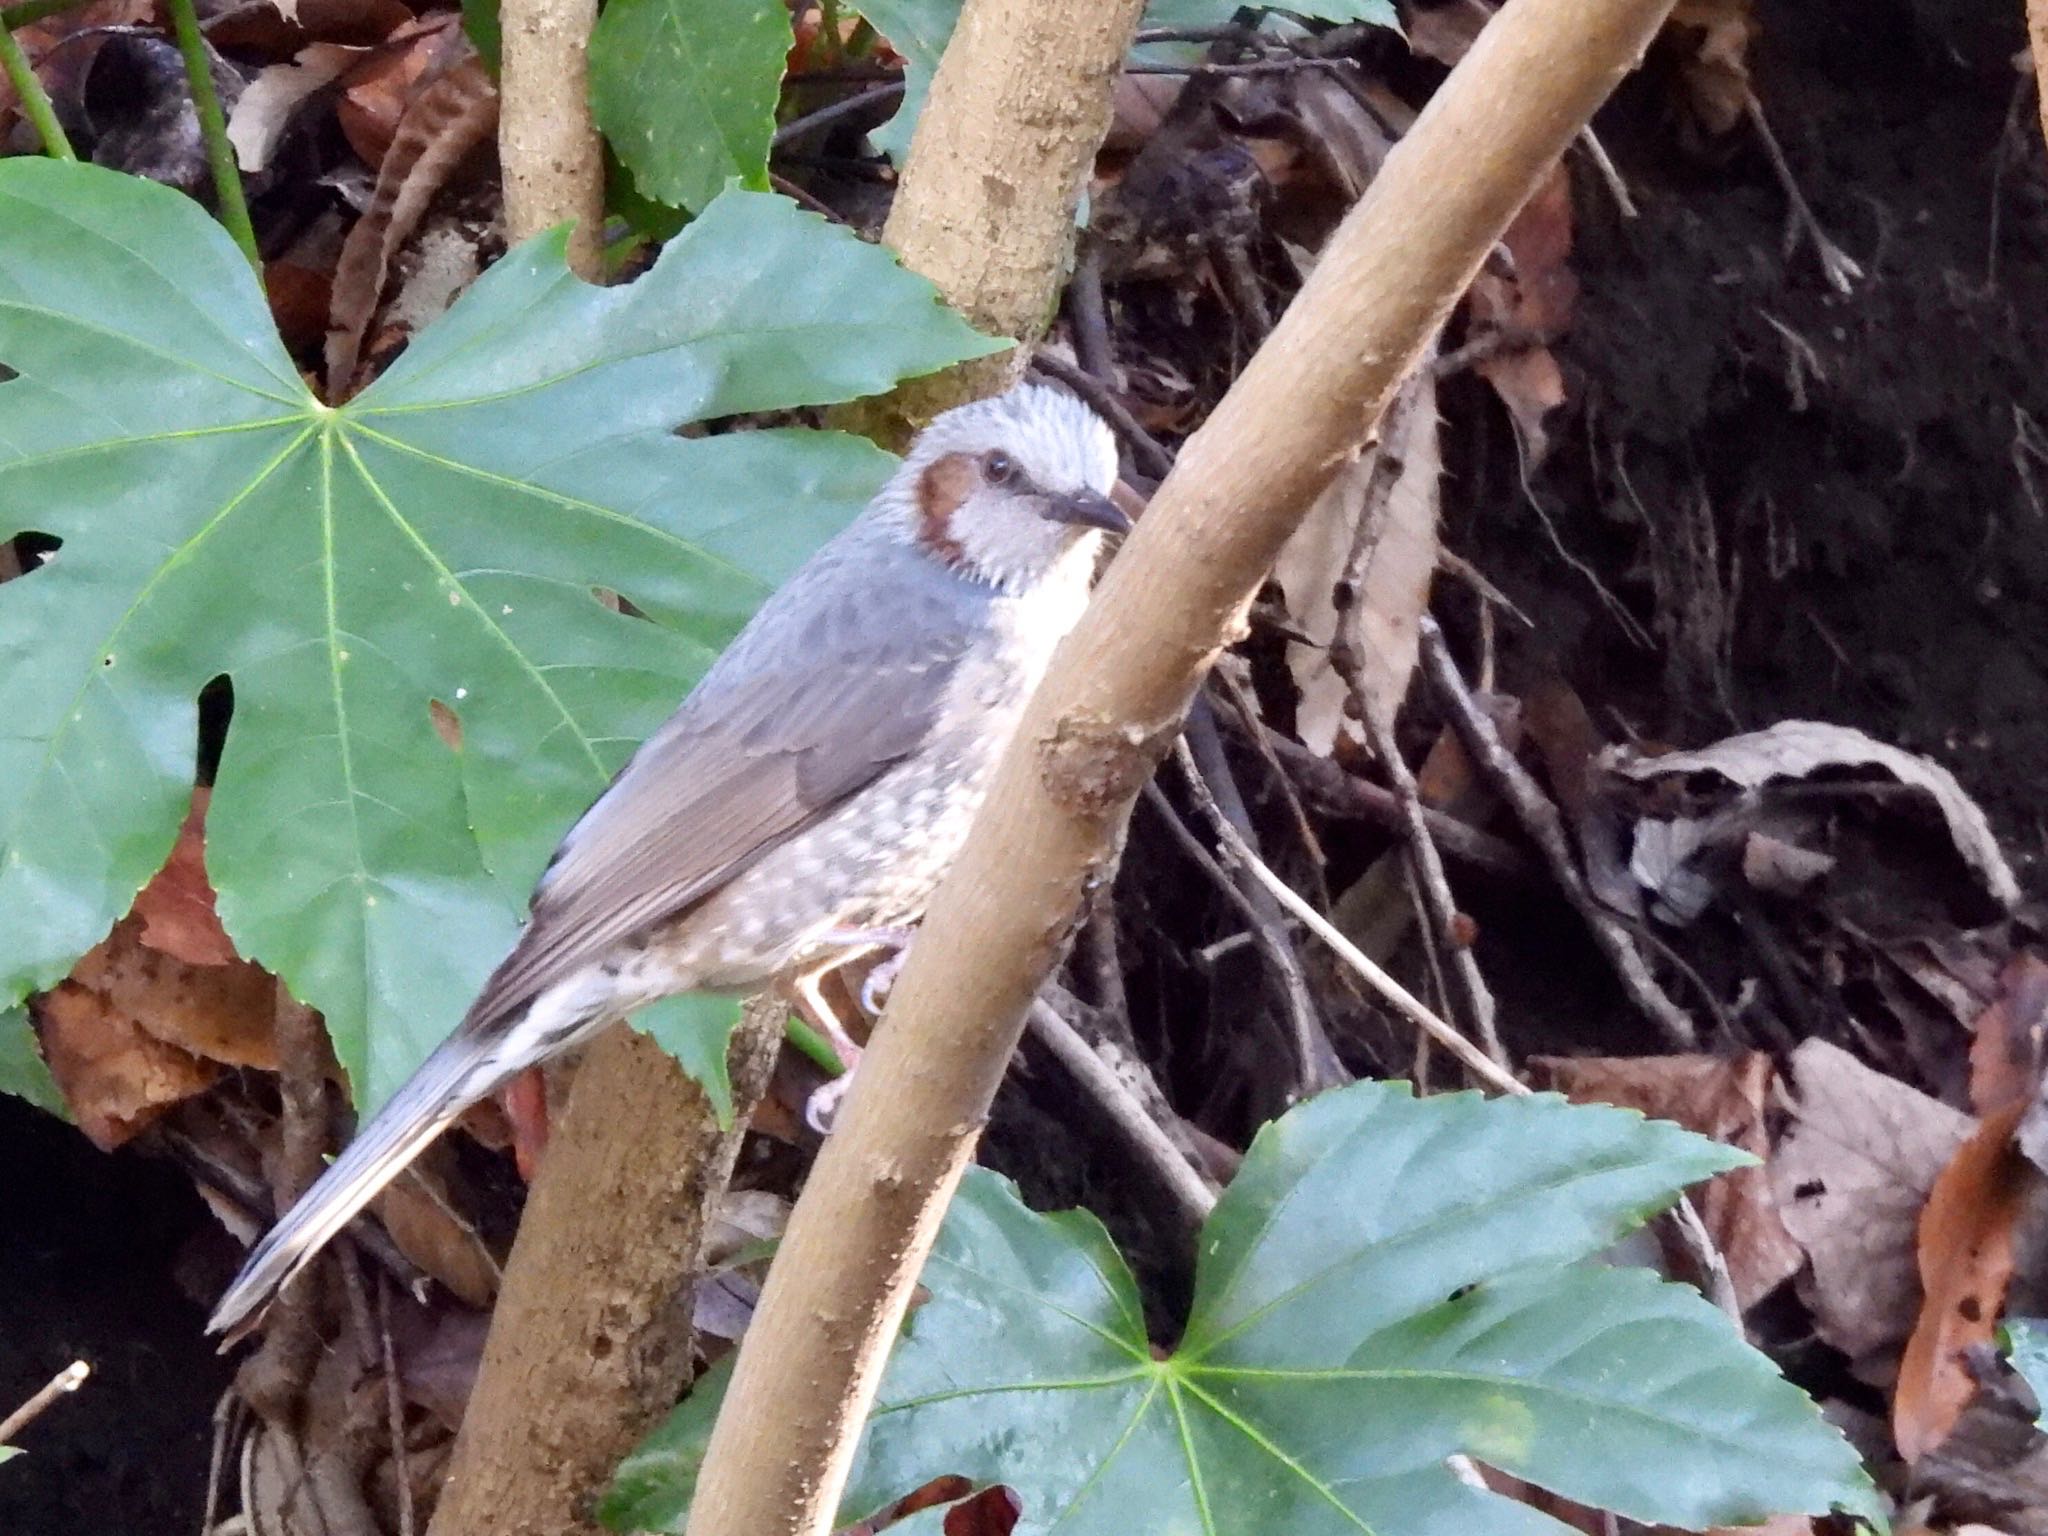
(2026, 1342)
(480, 22)
(445, 537)
(1387, 1283)
(685, 91)
(919, 30)
(696, 1030)
(23, 1072)
(9, 1452)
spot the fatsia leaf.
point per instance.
(1388, 1282)
(23, 1072)
(445, 538)
(685, 91)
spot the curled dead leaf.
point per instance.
(1851, 1176)
(1966, 1263)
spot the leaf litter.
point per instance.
(1824, 896)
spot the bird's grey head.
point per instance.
(1007, 489)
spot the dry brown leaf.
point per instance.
(176, 907)
(417, 1212)
(1390, 600)
(1851, 1176)
(379, 91)
(1723, 1100)
(1966, 1262)
(1799, 749)
(269, 102)
(117, 1078)
(1536, 304)
(449, 118)
(1716, 35)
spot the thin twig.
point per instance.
(394, 1410)
(797, 127)
(1433, 889)
(1242, 283)
(1191, 1193)
(1397, 996)
(1202, 763)
(1203, 859)
(1840, 268)
(1087, 315)
(797, 194)
(213, 129)
(1545, 828)
(1145, 448)
(1617, 189)
(1225, 685)
(70, 1379)
(1339, 793)
(35, 101)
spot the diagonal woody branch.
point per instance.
(1111, 704)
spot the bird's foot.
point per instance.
(874, 988)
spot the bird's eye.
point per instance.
(998, 468)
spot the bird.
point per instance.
(805, 798)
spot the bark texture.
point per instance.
(1018, 107)
(547, 142)
(591, 1340)
(837, 1293)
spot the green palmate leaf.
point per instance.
(685, 91)
(696, 1030)
(2026, 1342)
(22, 1072)
(920, 30)
(444, 538)
(1387, 1283)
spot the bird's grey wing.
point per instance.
(818, 699)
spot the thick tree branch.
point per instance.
(1018, 107)
(1111, 704)
(547, 142)
(591, 1340)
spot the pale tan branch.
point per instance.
(1017, 109)
(591, 1339)
(1112, 703)
(547, 142)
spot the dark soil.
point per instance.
(1818, 505)
(88, 1248)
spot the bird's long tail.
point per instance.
(459, 1072)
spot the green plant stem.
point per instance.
(213, 128)
(813, 1044)
(828, 23)
(35, 101)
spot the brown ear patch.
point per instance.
(941, 489)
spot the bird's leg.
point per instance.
(861, 942)
(810, 995)
(848, 945)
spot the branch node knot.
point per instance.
(1093, 768)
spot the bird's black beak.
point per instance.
(1087, 509)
